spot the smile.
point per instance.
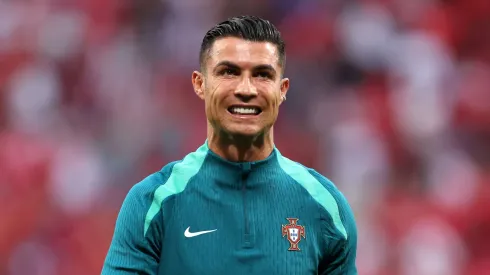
(244, 110)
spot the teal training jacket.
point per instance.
(206, 215)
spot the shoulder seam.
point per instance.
(180, 175)
(315, 188)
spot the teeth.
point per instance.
(244, 111)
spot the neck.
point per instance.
(240, 148)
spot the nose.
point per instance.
(245, 89)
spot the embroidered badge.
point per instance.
(293, 232)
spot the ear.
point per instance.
(284, 88)
(198, 84)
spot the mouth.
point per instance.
(244, 110)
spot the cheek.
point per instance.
(213, 103)
(271, 91)
(275, 99)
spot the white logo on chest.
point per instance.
(190, 234)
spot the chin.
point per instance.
(245, 132)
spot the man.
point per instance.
(236, 205)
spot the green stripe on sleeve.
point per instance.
(301, 175)
(182, 172)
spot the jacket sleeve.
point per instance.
(339, 234)
(137, 240)
(340, 258)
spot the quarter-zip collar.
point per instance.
(237, 171)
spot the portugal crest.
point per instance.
(293, 232)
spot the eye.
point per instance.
(229, 72)
(263, 74)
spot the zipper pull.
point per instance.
(246, 168)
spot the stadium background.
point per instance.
(389, 98)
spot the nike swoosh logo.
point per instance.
(189, 234)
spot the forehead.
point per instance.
(243, 52)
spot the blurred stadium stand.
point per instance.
(389, 98)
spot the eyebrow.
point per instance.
(261, 67)
(226, 63)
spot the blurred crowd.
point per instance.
(389, 98)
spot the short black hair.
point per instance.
(247, 27)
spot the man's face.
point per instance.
(241, 86)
